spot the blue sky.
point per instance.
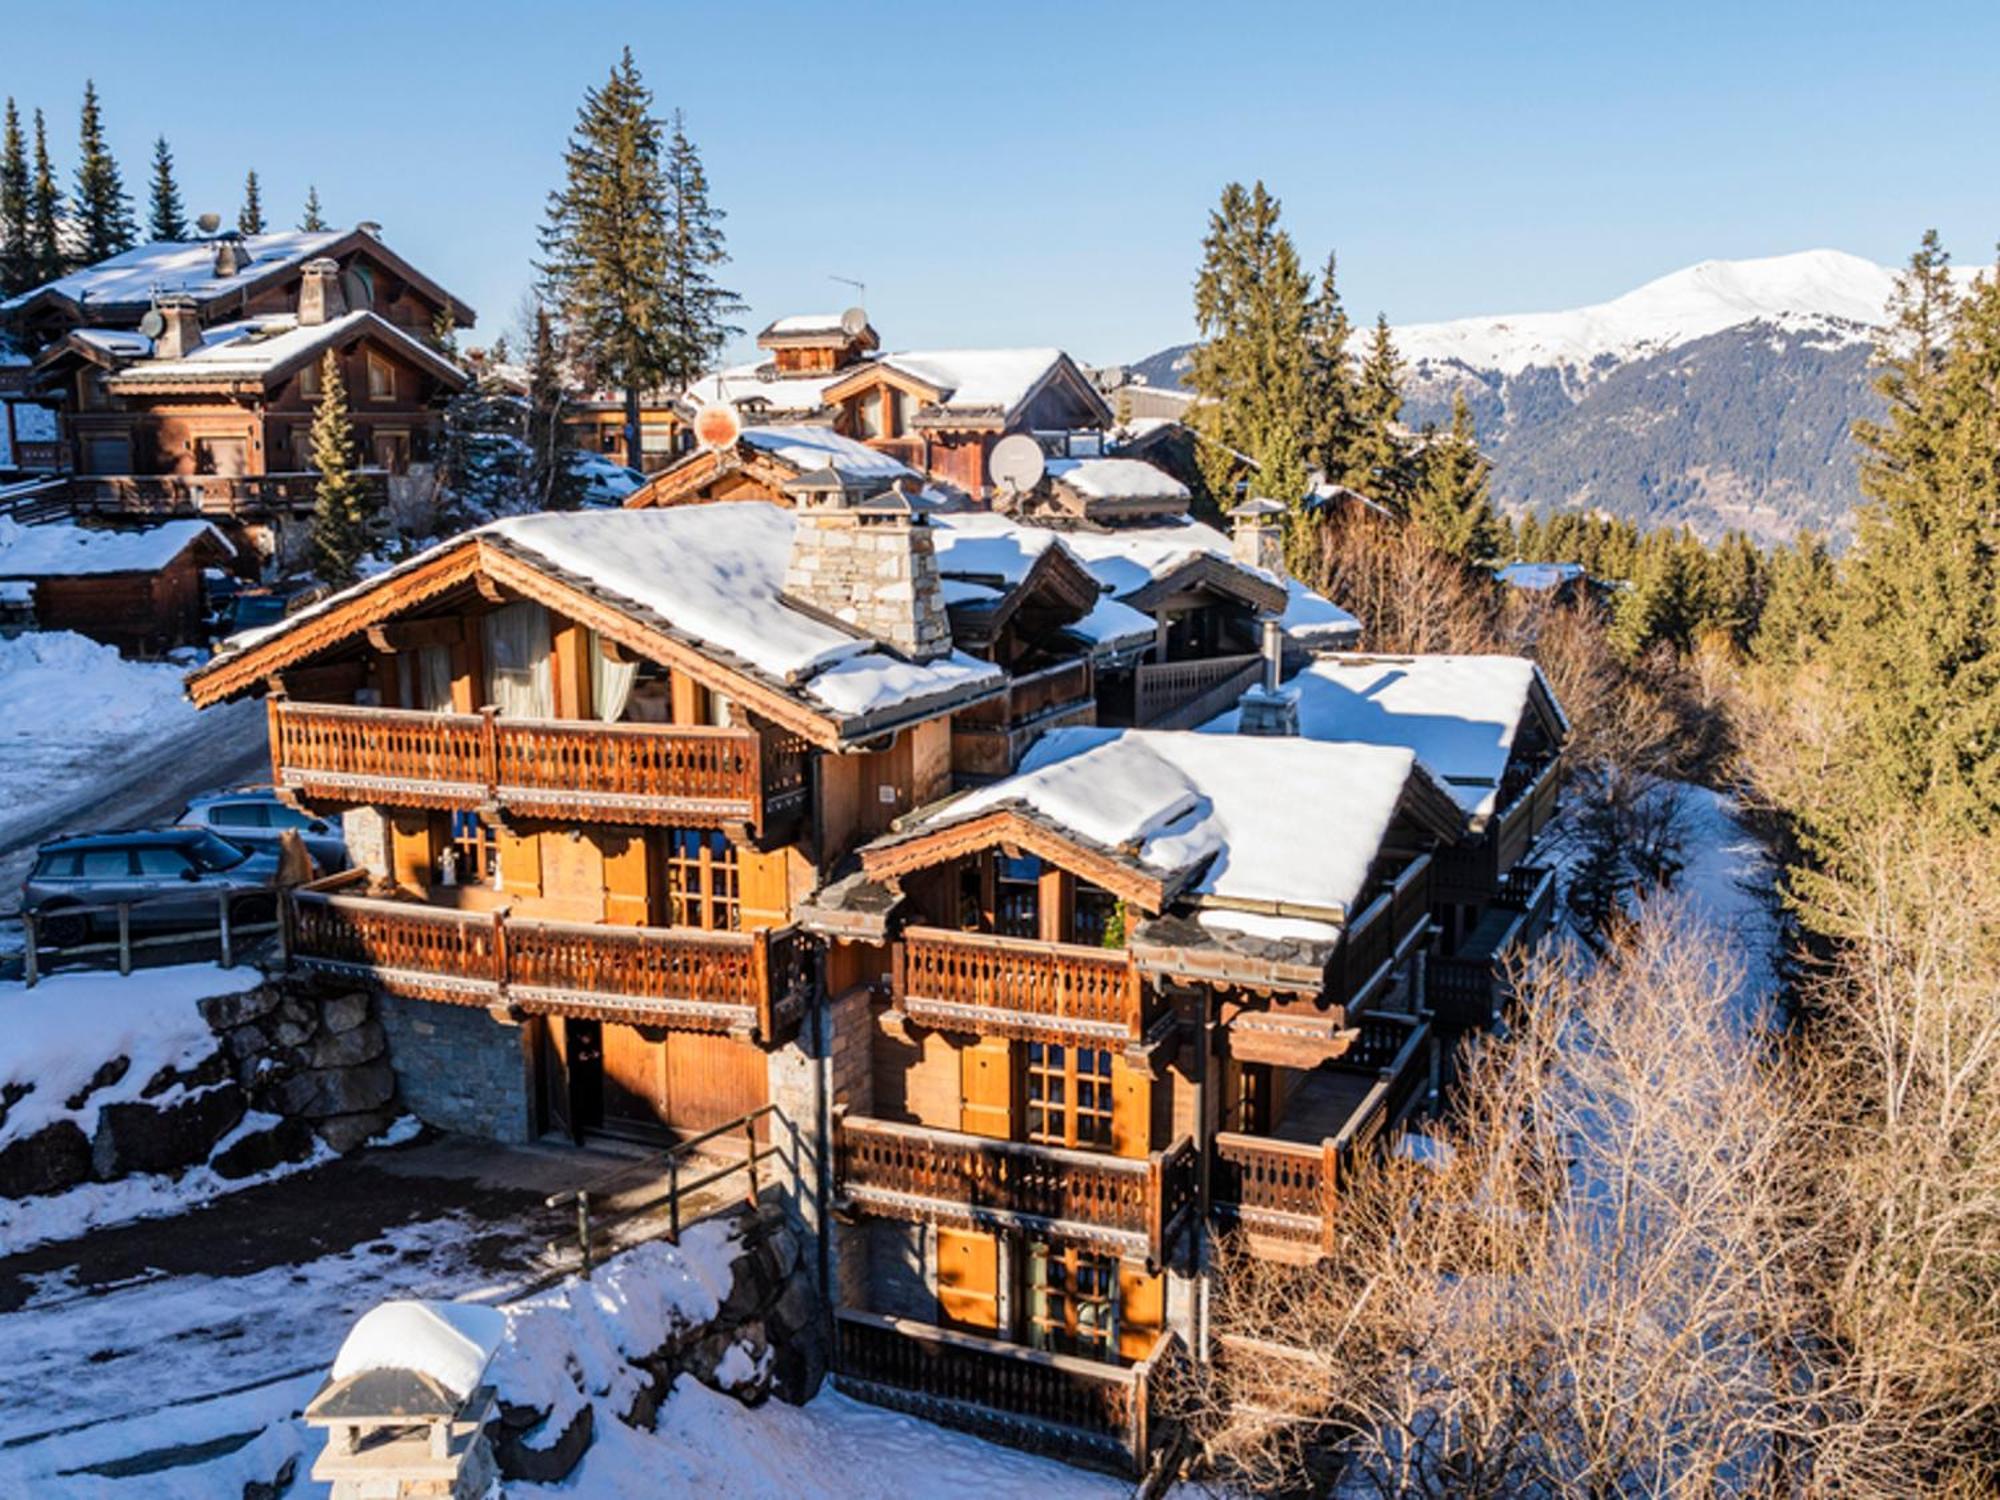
(1041, 173)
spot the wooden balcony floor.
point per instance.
(1487, 935)
(1322, 1104)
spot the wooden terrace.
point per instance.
(1025, 987)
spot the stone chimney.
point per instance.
(321, 299)
(869, 563)
(182, 334)
(1257, 535)
(230, 255)
(1267, 709)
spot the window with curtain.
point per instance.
(518, 681)
(611, 681)
(424, 678)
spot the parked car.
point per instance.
(605, 482)
(254, 817)
(256, 607)
(173, 877)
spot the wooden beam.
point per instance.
(412, 635)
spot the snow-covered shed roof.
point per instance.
(1460, 715)
(1209, 813)
(263, 350)
(66, 550)
(448, 1345)
(712, 575)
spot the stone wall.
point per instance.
(459, 1069)
(877, 573)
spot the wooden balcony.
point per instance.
(1182, 694)
(1130, 1205)
(752, 984)
(1001, 986)
(988, 739)
(1076, 1409)
(1383, 935)
(1473, 870)
(1469, 989)
(245, 496)
(1286, 1193)
(573, 769)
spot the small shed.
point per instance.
(136, 590)
(406, 1403)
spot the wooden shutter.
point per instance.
(986, 1084)
(412, 851)
(1131, 1108)
(1142, 1302)
(520, 864)
(968, 1280)
(625, 877)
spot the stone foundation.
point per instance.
(459, 1069)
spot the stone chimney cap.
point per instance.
(370, 228)
(894, 501)
(175, 301)
(819, 482)
(1257, 509)
(321, 265)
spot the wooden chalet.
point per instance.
(1491, 731)
(588, 762)
(187, 372)
(1108, 1002)
(138, 590)
(764, 463)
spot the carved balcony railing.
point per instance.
(752, 984)
(1182, 694)
(1131, 1205)
(1379, 938)
(987, 739)
(1528, 800)
(241, 495)
(1470, 988)
(1075, 1408)
(1002, 986)
(685, 776)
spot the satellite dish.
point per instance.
(152, 325)
(208, 223)
(1016, 463)
(854, 322)
(717, 425)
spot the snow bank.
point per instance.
(60, 685)
(452, 1342)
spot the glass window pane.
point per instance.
(102, 863)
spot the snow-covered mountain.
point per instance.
(1718, 396)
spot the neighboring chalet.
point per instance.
(1491, 731)
(1131, 991)
(187, 372)
(765, 462)
(30, 437)
(588, 764)
(140, 591)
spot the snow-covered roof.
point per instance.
(1541, 576)
(714, 573)
(1116, 479)
(118, 343)
(1459, 714)
(805, 447)
(451, 1342)
(975, 379)
(257, 347)
(182, 266)
(1178, 801)
(1110, 626)
(798, 395)
(66, 550)
(802, 324)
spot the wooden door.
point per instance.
(968, 1280)
(986, 1088)
(711, 1080)
(558, 1111)
(635, 1082)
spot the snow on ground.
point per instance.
(1729, 884)
(74, 703)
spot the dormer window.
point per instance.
(381, 379)
(309, 382)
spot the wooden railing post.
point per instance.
(583, 1229)
(1329, 1192)
(674, 1198)
(750, 1139)
(124, 937)
(274, 730)
(222, 931)
(1156, 1210)
(31, 958)
(489, 751)
(500, 964)
(760, 981)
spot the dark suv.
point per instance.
(172, 878)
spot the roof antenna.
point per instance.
(860, 287)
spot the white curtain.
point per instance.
(425, 675)
(518, 680)
(610, 681)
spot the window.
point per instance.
(478, 847)
(516, 637)
(1072, 1301)
(241, 815)
(900, 411)
(105, 864)
(423, 678)
(1095, 922)
(867, 409)
(58, 866)
(1069, 1095)
(221, 456)
(159, 860)
(309, 381)
(381, 379)
(702, 880)
(1017, 895)
(212, 852)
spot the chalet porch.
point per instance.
(251, 497)
(750, 985)
(1469, 988)
(988, 739)
(679, 775)
(1528, 802)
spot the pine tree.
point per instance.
(697, 305)
(554, 482)
(1252, 306)
(1451, 501)
(1377, 465)
(312, 223)
(345, 509)
(45, 208)
(607, 267)
(1917, 641)
(17, 260)
(103, 210)
(250, 217)
(1331, 393)
(168, 220)
(1798, 608)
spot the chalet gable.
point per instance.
(255, 357)
(979, 390)
(763, 461)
